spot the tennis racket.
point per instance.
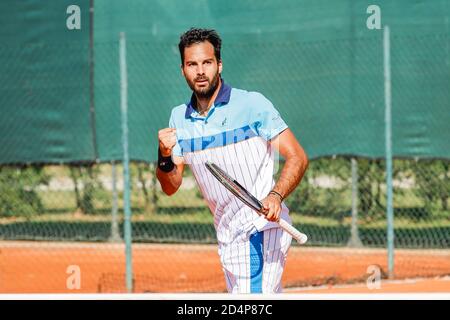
(246, 197)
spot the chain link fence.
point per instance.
(84, 203)
(78, 204)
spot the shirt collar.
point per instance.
(223, 97)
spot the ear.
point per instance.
(219, 64)
(182, 71)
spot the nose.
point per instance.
(200, 70)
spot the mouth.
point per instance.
(201, 82)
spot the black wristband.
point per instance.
(277, 194)
(165, 163)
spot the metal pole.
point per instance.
(126, 169)
(388, 128)
(354, 238)
(115, 236)
(91, 80)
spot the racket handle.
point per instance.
(297, 235)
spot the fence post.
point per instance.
(126, 169)
(388, 133)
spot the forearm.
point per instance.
(170, 181)
(291, 174)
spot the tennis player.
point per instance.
(242, 133)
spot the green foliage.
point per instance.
(321, 190)
(371, 176)
(433, 183)
(144, 178)
(87, 187)
(18, 191)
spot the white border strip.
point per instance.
(222, 296)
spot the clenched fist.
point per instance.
(167, 139)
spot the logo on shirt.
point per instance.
(224, 122)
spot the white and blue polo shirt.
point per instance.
(234, 135)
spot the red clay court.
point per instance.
(41, 267)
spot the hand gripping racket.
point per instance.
(246, 197)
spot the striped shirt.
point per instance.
(235, 135)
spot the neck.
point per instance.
(204, 104)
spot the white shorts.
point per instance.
(256, 265)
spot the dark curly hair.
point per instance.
(197, 35)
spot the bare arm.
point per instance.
(170, 181)
(291, 174)
(296, 162)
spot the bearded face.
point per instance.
(201, 69)
(203, 86)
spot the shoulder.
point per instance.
(244, 94)
(178, 112)
(178, 116)
(252, 98)
(253, 101)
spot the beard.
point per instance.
(208, 91)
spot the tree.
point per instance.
(87, 187)
(18, 190)
(146, 177)
(433, 183)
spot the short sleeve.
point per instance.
(176, 149)
(268, 122)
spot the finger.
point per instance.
(167, 144)
(169, 130)
(276, 212)
(265, 208)
(165, 130)
(168, 141)
(271, 211)
(166, 134)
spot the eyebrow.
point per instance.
(206, 60)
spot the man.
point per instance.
(239, 131)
